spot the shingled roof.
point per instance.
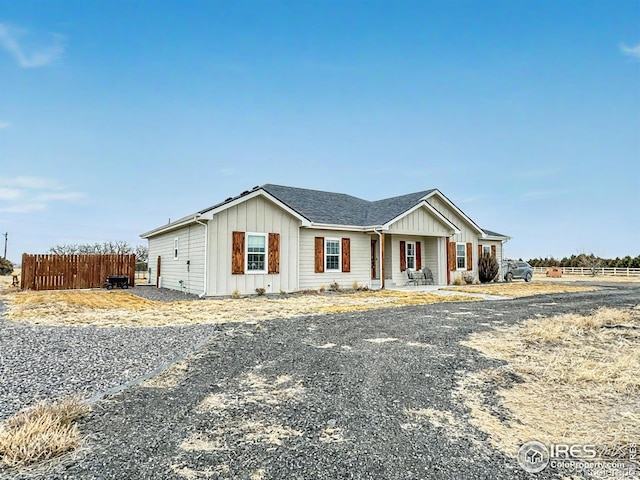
(341, 209)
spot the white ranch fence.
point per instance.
(611, 271)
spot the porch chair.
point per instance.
(411, 277)
(427, 276)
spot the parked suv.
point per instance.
(515, 269)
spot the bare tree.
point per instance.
(142, 253)
(104, 248)
(590, 262)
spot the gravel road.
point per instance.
(322, 397)
(44, 362)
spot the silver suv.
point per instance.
(515, 269)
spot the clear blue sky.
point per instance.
(116, 116)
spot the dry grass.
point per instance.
(520, 289)
(170, 378)
(569, 379)
(541, 277)
(255, 389)
(120, 308)
(41, 432)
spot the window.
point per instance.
(486, 250)
(461, 256)
(175, 249)
(256, 252)
(411, 255)
(332, 254)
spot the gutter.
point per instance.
(206, 254)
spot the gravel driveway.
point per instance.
(322, 397)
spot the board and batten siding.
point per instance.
(419, 222)
(418, 226)
(256, 215)
(360, 253)
(467, 234)
(190, 249)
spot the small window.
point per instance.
(461, 256)
(411, 255)
(486, 250)
(256, 252)
(332, 254)
(175, 249)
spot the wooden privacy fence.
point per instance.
(64, 272)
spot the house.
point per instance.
(287, 239)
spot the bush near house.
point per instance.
(487, 268)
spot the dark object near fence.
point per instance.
(121, 281)
(64, 272)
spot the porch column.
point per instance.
(382, 260)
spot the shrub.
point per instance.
(322, 288)
(6, 267)
(334, 287)
(467, 277)
(235, 294)
(260, 291)
(282, 292)
(487, 268)
(355, 285)
(458, 280)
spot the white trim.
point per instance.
(459, 269)
(406, 254)
(347, 228)
(455, 209)
(262, 193)
(429, 207)
(176, 248)
(246, 252)
(209, 214)
(339, 269)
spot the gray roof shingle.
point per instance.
(342, 209)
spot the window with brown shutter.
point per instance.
(403, 255)
(479, 252)
(418, 256)
(274, 253)
(237, 253)
(493, 250)
(346, 254)
(319, 254)
(469, 256)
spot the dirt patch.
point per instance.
(117, 308)
(568, 379)
(515, 290)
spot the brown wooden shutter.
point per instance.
(493, 250)
(418, 257)
(469, 256)
(319, 253)
(274, 253)
(237, 253)
(479, 252)
(346, 254)
(453, 262)
(403, 255)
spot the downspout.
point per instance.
(206, 254)
(381, 257)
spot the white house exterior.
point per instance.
(285, 239)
